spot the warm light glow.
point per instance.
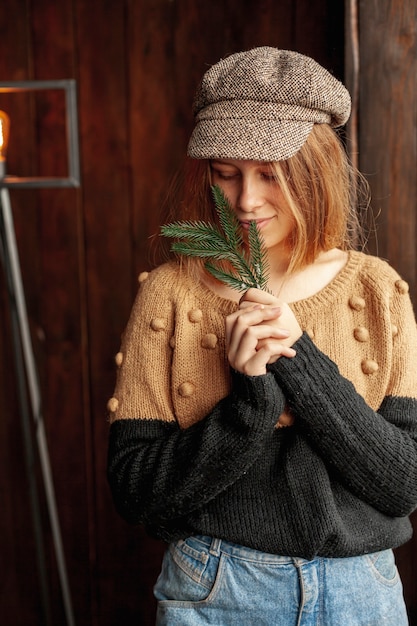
(4, 134)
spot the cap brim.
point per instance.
(273, 140)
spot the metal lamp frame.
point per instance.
(73, 178)
(26, 371)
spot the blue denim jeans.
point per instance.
(210, 581)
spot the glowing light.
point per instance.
(4, 134)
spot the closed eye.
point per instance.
(224, 175)
(268, 176)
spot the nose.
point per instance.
(249, 196)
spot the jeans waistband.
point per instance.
(217, 546)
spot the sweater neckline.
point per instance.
(325, 297)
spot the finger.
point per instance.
(274, 351)
(246, 304)
(232, 319)
(277, 349)
(238, 322)
(258, 296)
(254, 364)
(253, 314)
(245, 343)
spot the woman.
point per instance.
(270, 439)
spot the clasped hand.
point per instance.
(262, 330)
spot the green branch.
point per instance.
(248, 266)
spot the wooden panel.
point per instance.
(388, 157)
(319, 32)
(62, 307)
(17, 545)
(388, 93)
(107, 216)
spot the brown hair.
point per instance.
(322, 190)
(324, 194)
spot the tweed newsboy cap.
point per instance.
(262, 104)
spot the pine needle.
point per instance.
(248, 268)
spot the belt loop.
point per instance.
(215, 546)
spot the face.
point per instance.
(254, 195)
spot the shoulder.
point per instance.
(171, 292)
(163, 278)
(155, 299)
(377, 275)
(168, 283)
(385, 292)
(176, 285)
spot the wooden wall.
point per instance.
(387, 141)
(136, 63)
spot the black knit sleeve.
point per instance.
(159, 472)
(373, 453)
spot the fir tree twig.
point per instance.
(227, 258)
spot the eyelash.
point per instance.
(265, 175)
(224, 176)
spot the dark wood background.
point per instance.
(137, 63)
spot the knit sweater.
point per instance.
(194, 447)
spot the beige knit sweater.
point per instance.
(173, 366)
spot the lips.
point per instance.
(260, 222)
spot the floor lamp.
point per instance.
(26, 372)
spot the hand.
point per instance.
(285, 320)
(254, 338)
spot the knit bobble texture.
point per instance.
(209, 341)
(361, 334)
(357, 303)
(369, 366)
(402, 286)
(186, 389)
(113, 405)
(142, 277)
(195, 316)
(158, 323)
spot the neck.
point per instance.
(278, 263)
